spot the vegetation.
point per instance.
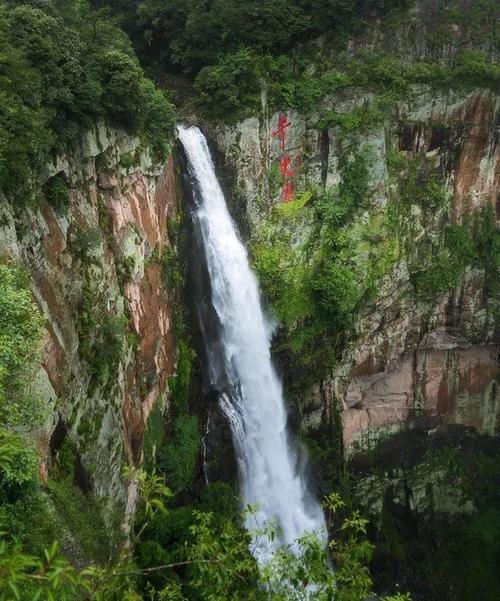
(79, 512)
(102, 338)
(57, 192)
(487, 246)
(212, 561)
(63, 67)
(459, 463)
(21, 331)
(254, 45)
(321, 258)
(178, 458)
(315, 283)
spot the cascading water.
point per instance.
(252, 397)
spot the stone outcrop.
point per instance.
(98, 278)
(406, 356)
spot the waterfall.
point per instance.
(251, 398)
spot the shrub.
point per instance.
(180, 383)
(86, 241)
(425, 190)
(177, 459)
(445, 265)
(337, 291)
(21, 330)
(18, 464)
(438, 275)
(81, 513)
(459, 241)
(473, 68)
(170, 268)
(360, 119)
(220, 499)
(230, 85)
(57, 193)
(101, 339)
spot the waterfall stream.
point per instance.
(251, 397)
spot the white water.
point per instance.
(269, 475)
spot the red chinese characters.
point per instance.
(286, 166)
(286, 170)
(280, 133)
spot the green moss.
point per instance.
(438, 275)
(181, 382)
(85, 428)
(173, 226)
(127, 160)
(171, 270)
(419, 188)
(125, 269)
(477, 242)
(419, 207)
(318, 260)
(102, 338)
(80, 513)
(85, 242)
(274, 179)
(360, 119)
(460, 243)
(154, 437)
(293, 209)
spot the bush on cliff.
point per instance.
(21, 330)
(63, 67)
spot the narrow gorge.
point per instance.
(249, 300)
(241, 373)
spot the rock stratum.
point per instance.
(97, 269)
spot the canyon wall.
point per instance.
(405, 421)
(405, 356)
(97, 255)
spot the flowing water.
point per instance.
(252, 398)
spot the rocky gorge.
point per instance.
(96, 270)
(365, 188)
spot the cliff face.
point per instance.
(405, 355)
(410, 397)
(96, 255)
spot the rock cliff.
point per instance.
(410, 395)
(95, 248)
(405, 355)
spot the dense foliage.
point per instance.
(21, 329)
(212, 555)
(63, 66)
(270, 45)
(174, 33)
(418, 545)
(317, 282)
